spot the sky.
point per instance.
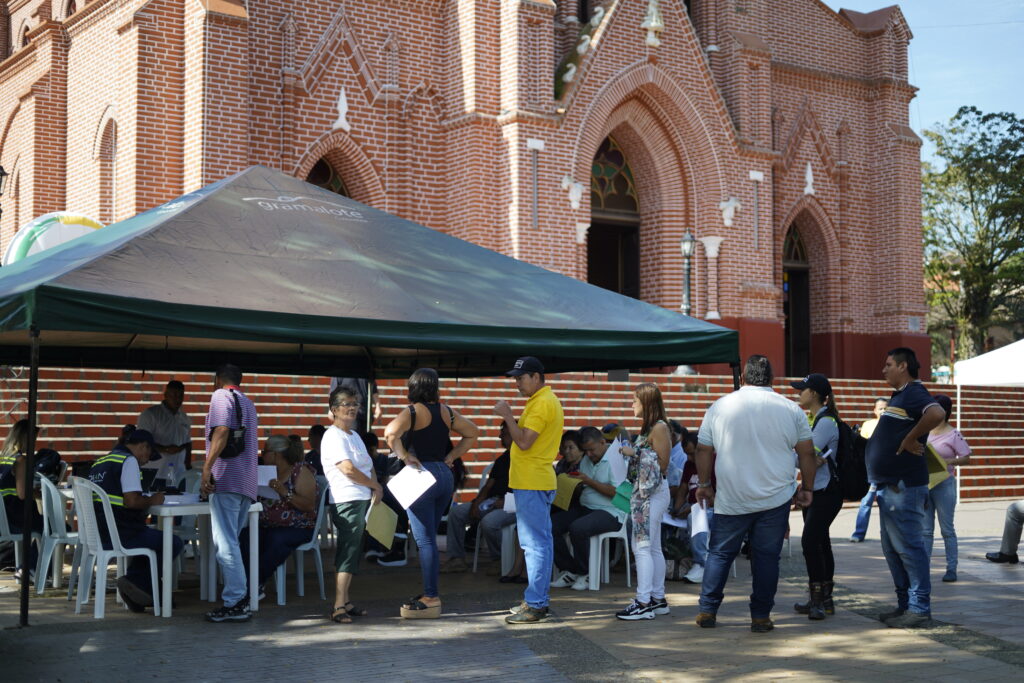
(962, 53)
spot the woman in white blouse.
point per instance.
(354, 488)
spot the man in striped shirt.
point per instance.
(230, 479)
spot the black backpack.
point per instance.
(849, 468)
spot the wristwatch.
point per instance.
(704, 484)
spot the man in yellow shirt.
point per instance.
(535, 440)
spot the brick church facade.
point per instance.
(584, 137)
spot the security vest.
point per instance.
(8, 487)
(106, 473)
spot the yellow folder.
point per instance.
(381, 522)
(937, 467)
(566, 487)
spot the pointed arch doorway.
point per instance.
(613, 241)
(796, 304)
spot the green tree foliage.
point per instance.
(974, 226)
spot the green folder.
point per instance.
(623, 492)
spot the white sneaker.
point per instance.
(582, 582)
(564, 580)
(695, 575)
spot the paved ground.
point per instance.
(980, 635)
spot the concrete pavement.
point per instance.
(980, 635)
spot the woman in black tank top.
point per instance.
(420, 436)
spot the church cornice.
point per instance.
(868, 86)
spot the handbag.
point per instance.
(235, 445)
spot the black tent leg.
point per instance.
(735, 375)
(30, 466)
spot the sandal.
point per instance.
(341, 616)
(417, 609)
(354, 611)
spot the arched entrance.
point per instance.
(613, 241)
(324, 175)
(796, 303)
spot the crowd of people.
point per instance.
(756, 455)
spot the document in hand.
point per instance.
(381, 522)
(566, 487)
(409, 484)
(669, 520)
(264, 474)
(698, 520)
(616, 461)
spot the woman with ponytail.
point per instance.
(817, 399)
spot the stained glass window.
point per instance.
(793, 250)
(324, 175)
(612, 187)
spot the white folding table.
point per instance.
(207, 567)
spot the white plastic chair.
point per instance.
(326, 529)
(600, 557)
(55, 537)
(96, 557)
(313, 545)
(6, 535)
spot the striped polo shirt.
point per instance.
(236, 475)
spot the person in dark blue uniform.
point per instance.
(119, 474)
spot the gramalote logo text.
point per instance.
(297, 203)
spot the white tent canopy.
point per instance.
(1002, 367)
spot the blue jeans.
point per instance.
(228, 512)
(699, 542)
(942, 503)
(138, 567)
(277, 543)
(425, 518)
(864, 513)
(902, 513)
(533, 520)
(767, 530)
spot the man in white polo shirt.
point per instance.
(754, 432)
(172, 434)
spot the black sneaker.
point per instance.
(635, 611)
(136, 599)
(395, 558)
(659, 605)
(238, 612)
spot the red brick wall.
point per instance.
(442, 98)
(82, 411)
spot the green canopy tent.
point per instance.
(275, 275)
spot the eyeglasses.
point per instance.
(348, 404)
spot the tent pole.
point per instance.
(735, 375)
(30, 500)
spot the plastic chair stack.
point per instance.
(55, 537)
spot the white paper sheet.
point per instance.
(510, 503)
(266, 473)
(616, 461)
(699, 516)
(409, 484)
(183, 499)
(669, 520)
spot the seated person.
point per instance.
(682, 504)
(119, 474)
(315, 436)
(12, 485)
(677, 457)
(571, 453)
(595, 515)
(487, 508)
(287, 521)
